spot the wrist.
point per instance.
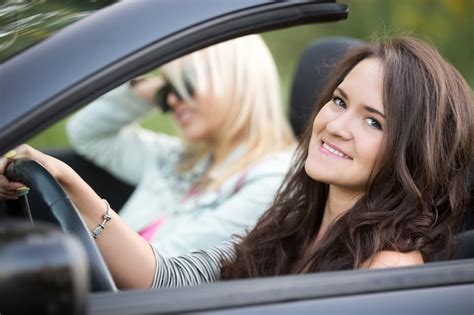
(106, 217)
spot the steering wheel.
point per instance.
(39, 179)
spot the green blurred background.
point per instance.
(447, 24)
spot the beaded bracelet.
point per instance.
(106, 218)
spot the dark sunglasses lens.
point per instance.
(161, 98)
(162, 95)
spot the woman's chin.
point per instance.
(192, 136)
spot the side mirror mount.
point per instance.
(42, 270)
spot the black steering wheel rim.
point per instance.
(39, 179)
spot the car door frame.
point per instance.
(434, 288)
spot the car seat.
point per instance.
(316, 63)
(466, 238)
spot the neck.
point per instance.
(339, 201)
(220, 149)
(220, 153)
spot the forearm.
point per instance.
(106, 116)
(106, 132)
(128, 256)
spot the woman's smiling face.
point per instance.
(348, 131)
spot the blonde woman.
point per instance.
(216, 180)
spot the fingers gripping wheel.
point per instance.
(37, 178)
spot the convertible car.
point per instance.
(48, 260)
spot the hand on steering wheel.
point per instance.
(40, 172)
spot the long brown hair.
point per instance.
(414, 200)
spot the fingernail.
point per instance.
(22, 190)
(10, 154)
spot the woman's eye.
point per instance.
(338, 101)
(373, 123)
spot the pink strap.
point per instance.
(194, 190)
(240, 181)
(150, 230)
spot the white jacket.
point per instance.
(107, 133)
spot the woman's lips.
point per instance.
(333, 151)
(183, 117)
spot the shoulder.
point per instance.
(390, 259)
(277, 163)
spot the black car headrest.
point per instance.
(315, 65)
(469, 220)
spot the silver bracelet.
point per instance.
(106, 218)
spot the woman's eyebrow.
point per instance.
(373, 110)
(366, 107)
(342, 93)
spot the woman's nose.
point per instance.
(340, 126)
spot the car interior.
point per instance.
(312, 71)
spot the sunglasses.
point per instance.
(161, 95)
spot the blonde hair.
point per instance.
(242, 77)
